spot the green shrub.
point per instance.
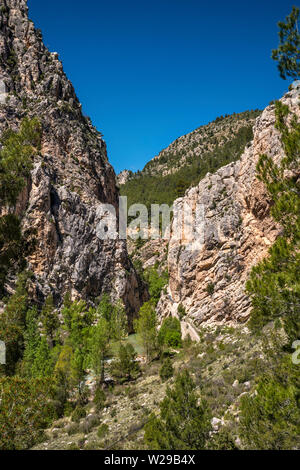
(210, 289)
(99, 399)
(73, 428)
(78, 414)
(88, 424)
(181, 311)
(167, 370)
(102, 431)
(184, 422)
(270, 419)
(223, 440)
(73, 446)
(170, 333)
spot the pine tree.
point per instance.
(26, 410)
(49, 319)
(78, 363)
(99, 347)
(116, 318)
(184, 422)
(274, 283)
(13, 323)
(125, 367)
(287, 54)
(167, 370)
(16, 154)
(32, 341)
(42, 365)
(146, 327)
(270, 418)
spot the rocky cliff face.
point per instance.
(71, 177)
(209, 281)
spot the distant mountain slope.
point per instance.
(188, 159)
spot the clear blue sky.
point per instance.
(149, 71)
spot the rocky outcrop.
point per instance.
(123, 177)
(236, 233)
(71, 176)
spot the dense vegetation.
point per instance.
(18, 149)
(271, 418)
(150, 187)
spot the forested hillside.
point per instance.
(190, 158)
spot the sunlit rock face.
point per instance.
(71, 176)
(209, 280)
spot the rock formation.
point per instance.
(71, 176)
(123, 177)
(209, 281)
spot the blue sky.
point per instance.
(149, 71)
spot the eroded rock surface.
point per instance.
(209, 281)
(71, 176)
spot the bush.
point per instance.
(270, 419)
(26, 409)
(125, 367)
(73, 428)
(222, 441)
(99, 399)
(88, 424)
(170, 333)
(167, 370)
(181, 311)
(78, 414)
(184, 422)
(73, 446)
(210, 289)
(93, 445)
(102, 431)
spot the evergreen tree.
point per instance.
(170, 333)
(288, 52)
(16, 154)
(13, 323)
(167, 370)
(26, 409)
(42, 365)
(99, 399)
(125, 367)
(115, 316)
(49, 319)
(99, 347)
(184, 422)
(63, 369)
(270, 418)
(78, 366)
(274, 283)
(146, 327)
(32, 341)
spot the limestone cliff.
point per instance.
(209, 281)
(71, 176)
